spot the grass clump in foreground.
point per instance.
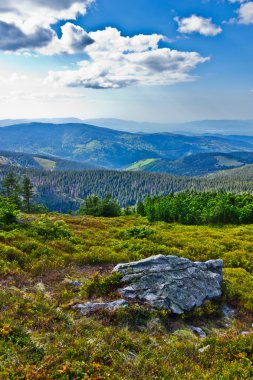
(42, 337)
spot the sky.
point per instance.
(144, 60)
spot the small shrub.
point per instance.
(49, 230)
(134, 317)
(8, 211)
(208, 309)
(101, 285)
(12, 254)
(238, 287)
(239, 259)
(138, 232)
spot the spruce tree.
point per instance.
(11, 188)
(140, 209)
(27, 193)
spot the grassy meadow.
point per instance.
(43, 337)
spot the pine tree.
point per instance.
(140, 208)
(27, 193)
(11, 188)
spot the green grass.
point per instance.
(139, 165)
(227, 161)
(45, 163)
(4, 160)
(42, 337)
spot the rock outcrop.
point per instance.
(170, 282)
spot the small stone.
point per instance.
(198, 331)
(76, 284)
(245, 333)
(203, 349)
(90, 307)
(131, 355)
(227, 311)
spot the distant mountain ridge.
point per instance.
(198, 127)
(109, 148)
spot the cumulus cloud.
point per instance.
(27, 24)
(116, 61)
(12, 38)
(245, 13)
(197, 24)
(74, 40)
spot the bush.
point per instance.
(12, 254)
(238, 284)
(239, 259)
(8, 211)
(49, 230)
(138, 232)
(95, 206)
(101, 285)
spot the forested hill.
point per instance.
(195, 165)
(40, 161)
(110, 148)
(64, 190)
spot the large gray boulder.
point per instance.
(170, 282)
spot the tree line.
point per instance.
(63, 191)
(199, 208)
(188, 207)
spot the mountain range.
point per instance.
(215, 127)
(67, 162)
(199, 127)
(112, 149)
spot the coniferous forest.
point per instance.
(65, 190)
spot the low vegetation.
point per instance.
(51, 262)
(42, 337)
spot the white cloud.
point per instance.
(27, 24)
(14, 77)
(197, 24)
(116, 62)
(74, 40)
(245, 13)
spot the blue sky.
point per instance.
(146, 60)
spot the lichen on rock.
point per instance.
(171, 282)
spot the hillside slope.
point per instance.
(195, 165)
(36, 161)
